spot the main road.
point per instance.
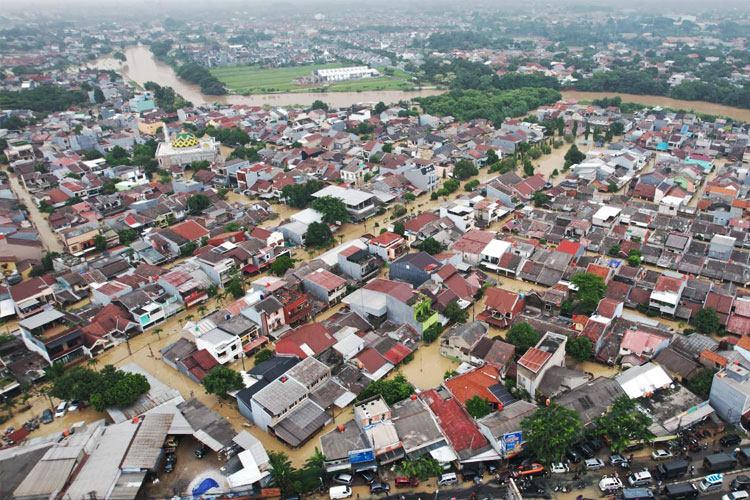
(48, 237)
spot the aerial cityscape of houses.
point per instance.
(375, 282)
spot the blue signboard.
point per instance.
(357, 457)
(512, 441)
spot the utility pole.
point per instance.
(127, 342)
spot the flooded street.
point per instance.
(141, 66)
(48, 237)
(428, 367)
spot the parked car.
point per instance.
(73, 406)
(559, 468)
(469, 474)
(573, 455)
(730, 440)
(617, 459)
(380, 487)
(532, 469)
(585, 450)
(492, 467)
(741, 482)
(61, 409)
(47, 417)
(736, 495)
(406, 481)
(661, 455)
(447, 479)
(610, 484)
(594, 464)
(346, 479)
(201, 451)
(594, 444)
(171, 461)
(367, 476)
(172, 442)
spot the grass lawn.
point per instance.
(256, 80)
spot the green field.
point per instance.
(256, 80)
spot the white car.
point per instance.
(594, 464)
(61, 409)
(559, 468)
(73, 406)
(609, 484)
(661, 454)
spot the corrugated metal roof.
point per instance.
(46, 478)
(159, 393)
(145, 449)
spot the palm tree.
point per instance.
(25, 398)
(92, 363)
(281, 469)
(317, 461)
(189, 317)
(202, 310)
(156, 332)
(8, 405)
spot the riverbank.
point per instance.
(702, 107)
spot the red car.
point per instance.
(532, 469)
(405, 481)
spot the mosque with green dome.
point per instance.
(184, 148)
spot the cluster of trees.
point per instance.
(230, 136)
(318, 235)
(422, 468)
(160, 48)
(107, 387)
(590, 289)
(523, 336)
(197, 203)
(333, 210)
(392, 390)
(195, 73)
(166, 98)
(304, 481)
(431, 246)
(553, 429)
(464, 169)
(574, 156)
(460, 74)
(299, 195)
(222, 379)
(579, 348)
(494, 105)
(43, 99)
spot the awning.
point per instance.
(250, 268)
(255, 343)
(7, 308)
(444, 454)
(370, 465)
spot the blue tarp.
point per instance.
(205, 485)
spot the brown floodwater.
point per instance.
(664, 102)
(141, 66)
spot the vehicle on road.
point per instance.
(346, 479)
(642, 478)
(637, 494)
(736, 495)
(712, 482)
(73, 406)
(574, 456)
(661, 455)
(719, 462)
(47, 417)
(447, 479)
(593, 464)
(741, 482)
(170, 462)
(532, 469)
(380, 487)
(559, 468)
(610, 484)
(61, 409)
(681, 491)
(585, 450)
(201, 451)
(406, 481)
(172, 442)
(730, 440)
(339, 492)
(671, 469)
(368, 476)
(469, 474)
(617, 459)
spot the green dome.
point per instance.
(184, 139)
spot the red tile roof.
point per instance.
(371, 360)
(420, 221)
(473, 242)
(326, 279)
(534, 359)
(385, 239)
(401, 291)
(313, 337)
(190, 230)
(667, 284)
(474, 383)
(397, 353)
(716, 358)
(608, 307)
(739, 325)
(500, 300)
(456, 424)
(600, 271)
(569, 247)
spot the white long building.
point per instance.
(348, 73)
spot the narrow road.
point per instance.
(48, 237)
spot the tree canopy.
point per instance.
(623, 423)
(197, 203)
(707, 320)
(299, 195)
(318, 235)
(700, 383)
(333, 209)
(478, 407)
(550, 431)
(45, 99)
(580, 348)
(431, 246)
(574, 156)
(392, 390)
(281, 265)
(590, 290)
(107, 387)
(454, 313)
(464, 169)
(523, 336)
(222, 379)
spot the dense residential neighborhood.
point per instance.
(453, 298)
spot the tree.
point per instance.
(464, 169)
(281, 469)
(318, 235)
(409, 197)
(634, 257)
(157, 332)
(590, 289)
(281, 265)
(587, 131)
(431, 246)
(333, 209)
(188, 249)
(380, 107)
(197, 203)
(100, 242)
(492, 157)
(573, 156)
(99, 96)
(202, 310)
(392, 390)
(221, 380)
(579, 348)
(235, 286)
(262, 356)
(107, 387)
(451, 185)
(540, 199)
(478, 407)
(700, 383)
(432, 333)
(528, 167)
(613, 250)
(624, 423)
(706, 320)
(523, 336)
(550, 431)
(399, 210)
(454, 313)
(318, 104)
(399, 228)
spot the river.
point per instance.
(665, 102)
(141, 66)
